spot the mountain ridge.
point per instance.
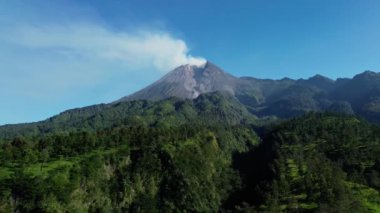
(265, 97)
(284, 98)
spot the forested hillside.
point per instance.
(115, 170)
(206, 109)
(319, 162)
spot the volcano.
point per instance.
(188, 82)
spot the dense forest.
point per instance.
(207, 109)
(319, 162)
(316, 163)
(119, 169)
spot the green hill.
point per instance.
(206, 109)
(316, 163)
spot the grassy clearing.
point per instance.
(43, 169)
(369, 197)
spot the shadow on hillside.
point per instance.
(256, 172)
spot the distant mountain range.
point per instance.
(263, 97)
(207, 93)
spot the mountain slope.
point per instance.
(315, 163)
(283, 98)
(240, 99)
(208, 108)
(363, 93)
(187, 82)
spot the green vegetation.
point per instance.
(120, 169)
(205, 155)
(208, 109)
(319, 162)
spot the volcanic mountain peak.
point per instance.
(187, 82)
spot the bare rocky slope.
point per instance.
(188, 82)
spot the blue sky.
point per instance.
(62, 54)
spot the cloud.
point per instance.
(57, 55)
(137, 50)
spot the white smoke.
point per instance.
(138, 50)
